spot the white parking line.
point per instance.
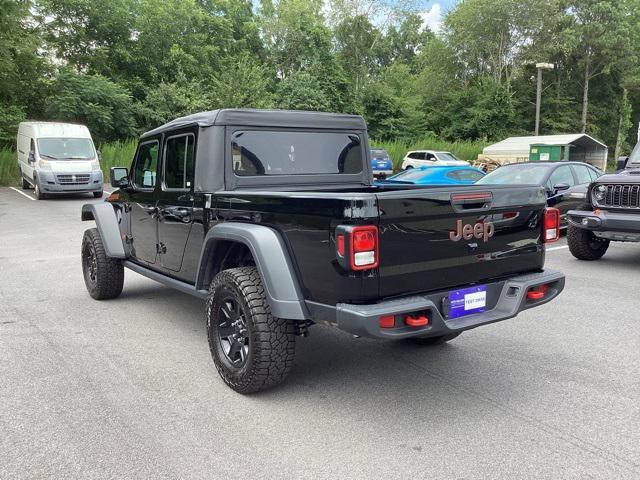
(22, 193)
(557, 248)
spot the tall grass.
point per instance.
(397, 149)
(120, 154)
(9, 172)
(116, 154)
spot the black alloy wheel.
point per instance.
(233, 334)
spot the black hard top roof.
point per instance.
(265, 118)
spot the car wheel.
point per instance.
(103, 275)
(36, 190)
(408, 167)
(439, 340)
(584, 245)
(252, 349)
(98, 194)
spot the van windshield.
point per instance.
(65, 148)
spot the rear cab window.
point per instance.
(277, 153)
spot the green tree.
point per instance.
(294, 33)
(23, 72)
(105, 107)
(302, 91)
(601, 34)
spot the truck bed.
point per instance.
(416, 225)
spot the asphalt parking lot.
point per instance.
(126, 388)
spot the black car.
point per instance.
(273, 218)
(611, 211)
(565, 183)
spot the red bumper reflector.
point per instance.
(420, 321)
(388, 321)
(533, 295)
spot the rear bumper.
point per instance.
(505, 299)
(382, 173)
(605, 221)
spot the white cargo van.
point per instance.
(58, 158)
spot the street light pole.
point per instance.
(540, 67)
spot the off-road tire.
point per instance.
(584, 245)
(434, 340)
(107, 278)
(98, 194)
(271, 340)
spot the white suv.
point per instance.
(427, 158)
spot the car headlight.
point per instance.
(95, 164)
(44, 165)
(600, 192)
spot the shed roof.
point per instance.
(521, 145)
(267, 118)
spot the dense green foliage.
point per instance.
(124, 66)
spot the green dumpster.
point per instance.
(548, 153)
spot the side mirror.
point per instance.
(119, 177)
(621, 163)
(561, 187)
(31, 158)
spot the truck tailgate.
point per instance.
(424, 244)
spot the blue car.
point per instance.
(381, 163)
(438, 175)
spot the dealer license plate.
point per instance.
(467, 301)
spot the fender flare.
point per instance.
(108, 227)
(272, 260)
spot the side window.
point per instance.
(582, 174)
(469, 175)
(561, 175)
(431, 157)
(414, 156)
(455, 175)
(146, 165)
(594, 174)
(178, 162)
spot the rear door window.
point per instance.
(583, 174)
(178, 163)
(561, 174)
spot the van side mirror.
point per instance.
(31, 158)
(561, 187)
(621, 163)
(119, 177)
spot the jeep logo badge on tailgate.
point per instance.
(482, 230)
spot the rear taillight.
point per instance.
(357, 246)
(551, 225)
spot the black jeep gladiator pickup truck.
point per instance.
(273, 218)
(611, 212)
